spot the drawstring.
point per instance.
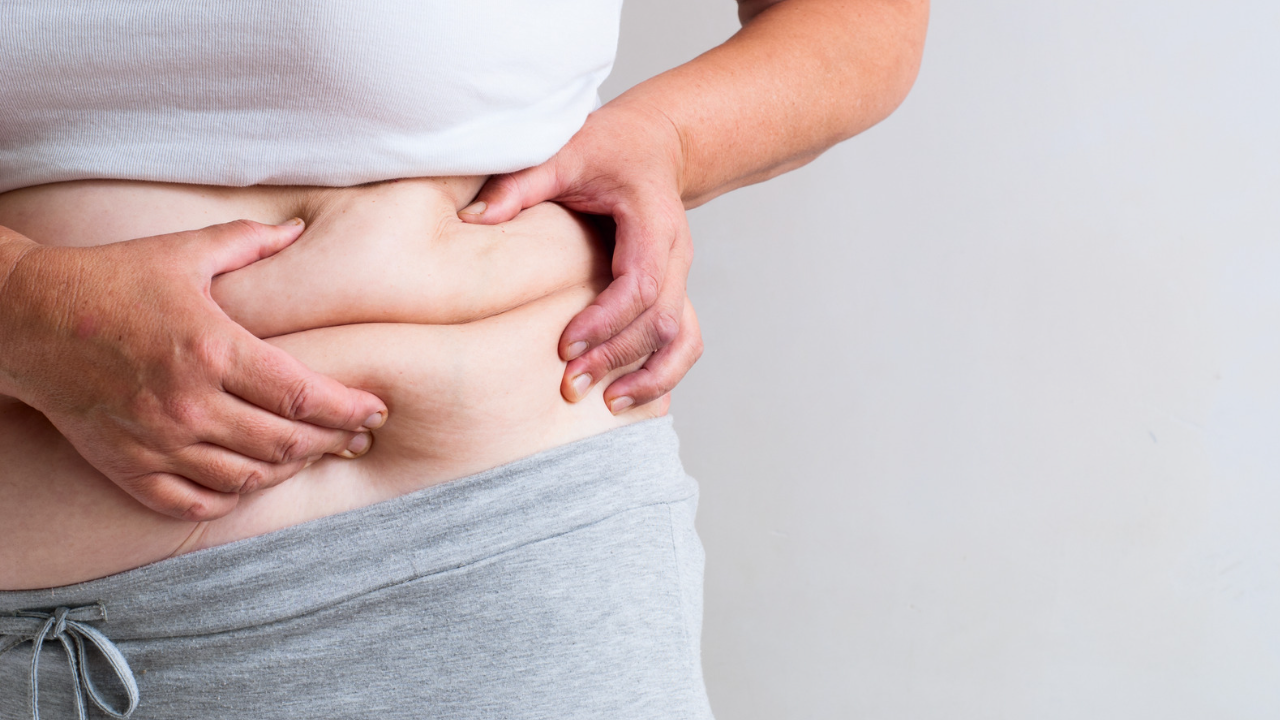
(67, 625)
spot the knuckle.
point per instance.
(142, 488)
(600, 321)
(154, 492)
(291, 447)
(218, 477)
(151, 492)
(186, 413)
(648, 287)
(561, 171)
(198, 511)
(617, 353)
(504, 185)
(251, 479)
(208, 352)
(647, 388)
(666, 327)
(695, 350)
(299, 399)
(245, 227)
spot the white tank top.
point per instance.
(310, 92)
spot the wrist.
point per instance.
(657, 129)
(13, 248)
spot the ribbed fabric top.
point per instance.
(309, 92)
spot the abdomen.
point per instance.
(464, 394)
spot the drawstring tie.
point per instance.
(67, 625)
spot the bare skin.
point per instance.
(458, 338)
(123, 350)
(182, 415)
(800, 76)
(140, 372)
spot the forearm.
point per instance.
(801, 76)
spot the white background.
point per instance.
(988, 424)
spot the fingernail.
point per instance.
(375, 421)
(475, 208)
(576, 349)
(359, 446)
(620, 403)
(580, 385)
(310, 462)
(295, 221)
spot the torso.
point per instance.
(274, 92)
(454, 326)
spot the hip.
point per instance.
(566, 584)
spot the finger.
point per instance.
(647, 243)
(250, 431)
(178, 497)
(504, 196)
(274, 381)
(231, 246)
(661, 372)
(652, 331)
(223, 471)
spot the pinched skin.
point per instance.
(454, 326)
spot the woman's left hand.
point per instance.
(625, 162)
(799, 77)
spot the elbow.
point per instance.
(915, 25)
(749, 9)
(879, 92)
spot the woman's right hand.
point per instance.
(123, 349)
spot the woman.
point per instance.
(501, 549)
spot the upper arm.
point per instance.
(749, 9)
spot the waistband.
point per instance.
(318, 564)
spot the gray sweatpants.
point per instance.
(565, 585)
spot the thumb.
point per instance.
(231, 246)
(504, 196)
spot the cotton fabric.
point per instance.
(294, 92)
(564, 585)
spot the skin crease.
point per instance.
(123, 349)
(464, 396)
(183, 409)
(800, 76)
